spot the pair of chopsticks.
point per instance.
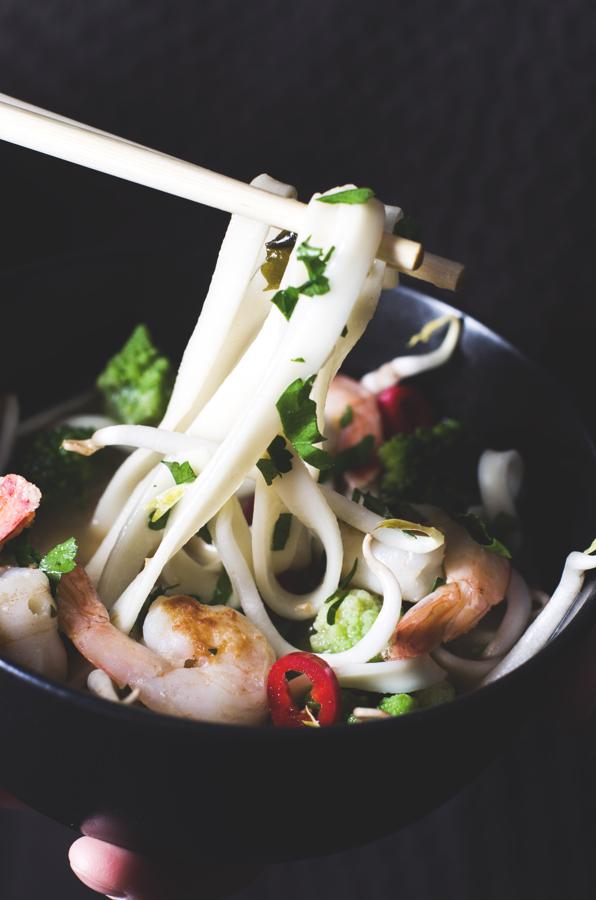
(35, 128)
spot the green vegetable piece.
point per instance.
(477, 530)
(64, 478)
(278, 253)
(351, 195)
(443, 692)
(278, 462)
(346, 581)
(407, 227)
(281, 531)
(398, 704)
(298, 415)
(297, 359)
(182, 473)
(223, 589)
(315, 261)
(430, 465)
(60, 560)
(347, 417)
(355, 613)
(137, 381)
(286, 301)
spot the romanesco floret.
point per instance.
(429, 465)
(62, 477)
(137, 381)
(343, 620)
(398, 704)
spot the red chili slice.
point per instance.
(18, 501)
(404, 408)
(325, 691)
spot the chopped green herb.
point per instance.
(223, 589)
(181, 472)
(278, 462)
(298, 414)
(286, 301)
(346, 580)
(60, 560)
(281, 531)
(347, 417)
(477, 530)
(351, 195)
(205, 535)
(369, 501)
(297, 359)
(407, 227)
(315, 261)
(344, 331)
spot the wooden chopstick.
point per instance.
(35, 128)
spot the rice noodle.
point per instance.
(401, 367)
(466, 671)
(515, 620)
(550, 618)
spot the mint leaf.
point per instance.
(281, 531)
(60, 560)
(351, 195)
(298, 414)
(278, 462)
(181, 472)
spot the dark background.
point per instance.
(476, 117)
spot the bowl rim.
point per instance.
(131, 714)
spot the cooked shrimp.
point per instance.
(198, 662)
(349, 398)
(18, 501)
(475, 580)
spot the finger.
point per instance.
(120, 873)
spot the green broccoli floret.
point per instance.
(62, 477)
(137, 381)
(343, 620)
(430, 465)
(443, 692)
(398, 704)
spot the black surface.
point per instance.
(478, 117)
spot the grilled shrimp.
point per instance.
(475, 580)
(198, 662)
(348, 396)
(19, 500)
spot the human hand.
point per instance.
(115, 872)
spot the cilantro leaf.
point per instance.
(298, 415)
(350, 195)
(347, 417)
(315, 261)
(281, 531)
(478, 531)
(60, 560)
(223, 589)
(297, 359)
(286, 301)
(181, 472)
(278, 462)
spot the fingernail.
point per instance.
(95, 885)
(116, 896)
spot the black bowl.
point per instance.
(150, 782)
